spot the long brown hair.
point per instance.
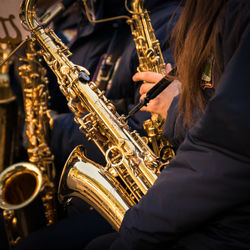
(193, 40)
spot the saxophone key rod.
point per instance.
(152, 93)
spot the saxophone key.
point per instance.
(111, 107)
(101, 94)
(71, 92)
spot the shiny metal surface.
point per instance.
(131, 165)
(150, 59)
(27, 191)
(87, 180)
(19, 185)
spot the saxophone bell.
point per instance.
(20, 185)
(87, 180)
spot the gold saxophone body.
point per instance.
(131, 167)
(27, 191)
(150, 59)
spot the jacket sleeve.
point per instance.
(174, 131)
(211, 171)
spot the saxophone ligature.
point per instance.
(27, 191)
(150, 59)
(131, 165)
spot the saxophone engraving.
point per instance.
(150, 59)
(27, 192)
(131, 167)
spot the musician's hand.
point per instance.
(162, 102)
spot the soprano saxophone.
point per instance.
(131, 167)
(150, 59)
(27, 192)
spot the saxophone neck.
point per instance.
(137, 6)
(28, 15)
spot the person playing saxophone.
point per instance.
(65, 134)
(199, 201)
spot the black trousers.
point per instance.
(103, 242)
(72, 233)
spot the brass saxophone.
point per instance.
(131, 165)
(27, 191)
(150, 59)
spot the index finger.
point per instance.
(147, 77)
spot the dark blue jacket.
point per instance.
(201, 200)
